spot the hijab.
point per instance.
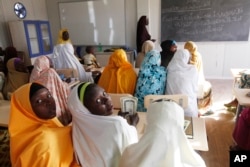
(98, 140)
(60, 39)
(151, 78)
(119, 75)
(142, 33)
(146, 47)
(166, 53)
(64, 57)
(164, 142)
(34, 141)
(43, 74)
(182, 78)
(195, 59)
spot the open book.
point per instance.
(188, 127)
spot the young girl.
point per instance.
(99, 137)
(37, 137)
(89, 58)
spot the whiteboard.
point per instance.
(94, 22)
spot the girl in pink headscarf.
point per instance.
(48, 77)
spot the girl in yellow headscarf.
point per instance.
(37, 137)
(63, 36)
(119, 75)
(205, 87)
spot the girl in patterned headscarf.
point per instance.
(48, 77)
(151, 78)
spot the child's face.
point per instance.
(92, 50)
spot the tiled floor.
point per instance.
(219, 125)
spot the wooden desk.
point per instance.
(4, 113)
(198, 142)
(240, 94)
(73, 83)
(97, 69)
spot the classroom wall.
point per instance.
(36, 10)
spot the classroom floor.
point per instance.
(219, 125)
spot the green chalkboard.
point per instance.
(205, 20)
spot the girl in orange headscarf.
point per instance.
(119, 75)
(37, 137)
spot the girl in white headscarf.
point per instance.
(164, 143)
(182, 78)
(99, 138)
(63, 57)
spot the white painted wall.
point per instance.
(36, 10)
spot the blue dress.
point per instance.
(151, 78)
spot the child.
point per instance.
(89, 58)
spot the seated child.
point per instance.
(89, 58)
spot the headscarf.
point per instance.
(166, 53)
(205, 87)
(43, 74)
(182, 78)
(60, 39)
(14, 78)
(119, 75)
(146, 47)
(196, 59)
(34, 141)
(142, 33)
(151, 78)
(63, 57)
(98, 140)
(164, 142)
